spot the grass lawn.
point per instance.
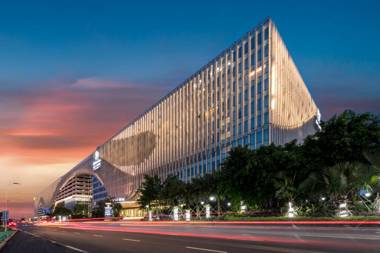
(4, 235)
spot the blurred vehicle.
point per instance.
(11, 224)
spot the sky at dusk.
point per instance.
(72, 73)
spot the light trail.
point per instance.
(268, 239)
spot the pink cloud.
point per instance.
(94, 83)
(46, 130)
(331, 105)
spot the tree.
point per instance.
(116, 208)
(234, 171)
(81, 210)
(211, 184)
(98, 210)
(60, 209)
(343, 138)
(150, 192)
(172, 191)
(333, 164)
(341, 159)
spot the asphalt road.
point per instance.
(140, 237)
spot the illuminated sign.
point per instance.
(175, 213)
(97, 161)
(208, 213)
(108, 212)
(187, 215)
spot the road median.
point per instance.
(5, 236)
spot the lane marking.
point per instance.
(97, 235)
(132, 240)
(282, 250)
(31, 234)
(73, 248)
(203, 249)
(343, 236)
(67, 246)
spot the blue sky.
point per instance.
(162, 43)
(74, 72)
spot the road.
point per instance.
(169, 237)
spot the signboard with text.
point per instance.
(108, 212)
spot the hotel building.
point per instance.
(251, 94)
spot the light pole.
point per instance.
(5, 219)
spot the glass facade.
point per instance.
(98, 190)
(251, 94)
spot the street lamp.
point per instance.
(6, 203)
(212, 198)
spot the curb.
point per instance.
(2, 245)
(269, 222)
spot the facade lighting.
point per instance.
(291, 212)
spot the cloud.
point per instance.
(94, 83)
(46, 129)
(332, 100)
(331, 105)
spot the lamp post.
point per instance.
(5, 219)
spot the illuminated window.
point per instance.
(259, 38)
(259, 85)
(253, 137)
(266, 33)
(266, 83)
(266, 118)
(259, 137)
(252, 88)
(266, 136)
(252, 43)
(259, 105)
(259, 56)
(266, 51)
(252, 59)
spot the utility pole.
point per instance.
(6, 212)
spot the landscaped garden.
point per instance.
(333, 174)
